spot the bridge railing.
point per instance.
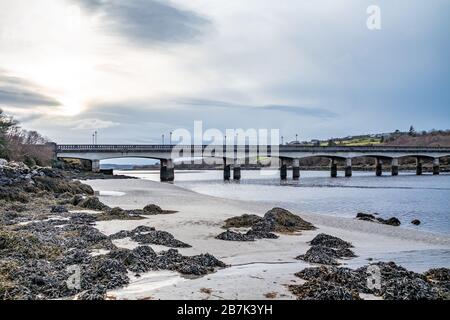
(282, 148)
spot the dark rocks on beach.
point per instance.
(325, 255)
(438, 274)
(244, 221)
(391, 221)
(397, 283)
(35, 256)
(195, 265)
(365, 216)
(119, 214)
(415, 222)
(58, 209)
(97, 293)
(152, 209)
(327, 249)
(148, 235)
(319, 254)
(322, 290)
(275, 220)
(370, 217)
(163, 238)
(93, 203)
(251, 235)
(282, 221)
(326, 240)
(234, 236)
(261, 234)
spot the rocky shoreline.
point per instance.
(48, 233)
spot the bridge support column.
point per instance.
(419, 167)
(226, 170)
(95, 165)
(436, 167)
(348, 168)
(283, 170)
(167, 172)
(333, 168)
(378, 167)
(394, 167)
(237, 170)
(296, 169)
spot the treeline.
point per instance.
(17, 144)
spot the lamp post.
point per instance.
(163, 139)
(170, 140)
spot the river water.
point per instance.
(406, 196)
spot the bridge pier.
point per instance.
(95, 165)
(237, 170)
(296, 169)
(379, 167)
(226, 170)
(419, 167)
(436, 167)
(283, 169)
(348, 168)
(333, 168)
(167, 172)
(394, 167)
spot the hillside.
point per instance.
(440, 139)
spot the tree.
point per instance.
(6, 124)
(21, 145)
(412, 131)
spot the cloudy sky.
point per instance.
(136, 69)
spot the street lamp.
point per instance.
(163, 139)
(170, 141)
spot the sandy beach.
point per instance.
(257, 270)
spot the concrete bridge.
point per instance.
(235, 156)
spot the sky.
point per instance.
(134, 70)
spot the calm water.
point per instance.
(406, 197)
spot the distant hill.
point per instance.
(432, 139)
(408, 139)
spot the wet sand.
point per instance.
(256, 268)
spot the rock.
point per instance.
(369, 217)
(275, 220)
(284, 221)
(160, 238)
(58, 209)
(152, 209)
(244, 221)
(323, 290)
(257, 234)
(234, 236)
(95, 294)
(365, 216)
(148, 235)
(409, 289)
(93, 203)
(325, 255)
(415, 222)
(326, 240)
(3, 162)
(438, 274)
(397, 283)
(391, 222)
